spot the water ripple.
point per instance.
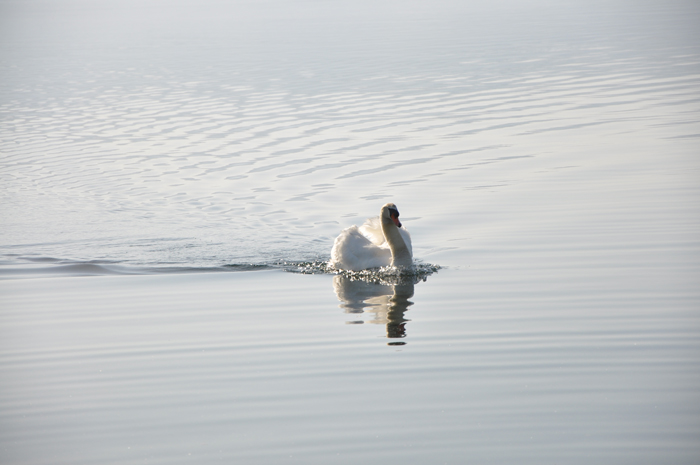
(213, 159)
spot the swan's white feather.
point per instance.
(372, 230)
(354, 251)
(359, 248)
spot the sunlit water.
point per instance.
(544, 158)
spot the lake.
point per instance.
(174, 175)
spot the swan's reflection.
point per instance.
(386, 302)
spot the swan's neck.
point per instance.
(400, 256)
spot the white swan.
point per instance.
(380, 241)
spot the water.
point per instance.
(246, 367)
(164, 163)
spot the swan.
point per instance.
(380, 241)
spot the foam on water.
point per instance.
(388, 275)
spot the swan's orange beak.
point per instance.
(395, 219)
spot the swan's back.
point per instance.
(364, 247)
(372, 230)
(353, 251)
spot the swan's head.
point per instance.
(390, 211)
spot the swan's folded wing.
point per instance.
(372, 230)
(353, 251)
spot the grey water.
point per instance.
(164, 165)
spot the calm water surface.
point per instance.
(208, 367)
(544, 155)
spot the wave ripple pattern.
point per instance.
(257, 159)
